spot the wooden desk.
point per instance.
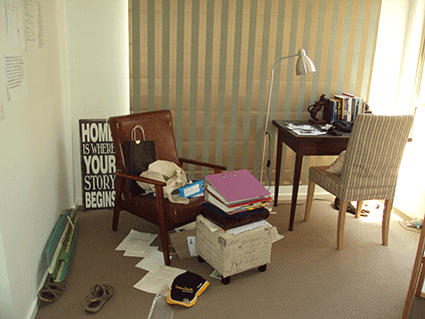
(303, 145)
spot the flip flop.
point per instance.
(99, 294)
(51, 291)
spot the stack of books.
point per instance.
(235, 192)
(344, 107)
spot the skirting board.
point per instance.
(32, 311)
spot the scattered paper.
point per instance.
(152, 262)
(305, 129)
(16, 83)
(153, 282)
(250, 226)
(215, 274)
(136, 243)
(276, 235)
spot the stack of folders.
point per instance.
(235, 192)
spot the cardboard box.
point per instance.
(231, 254)
(184, 243)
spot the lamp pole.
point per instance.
(304, 65)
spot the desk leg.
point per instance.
(295, 186)
(278, 166)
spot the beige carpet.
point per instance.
(307, 276)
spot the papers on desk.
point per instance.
(304, 129)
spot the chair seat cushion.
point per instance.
(177, 214)
(329, 181)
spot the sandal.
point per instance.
(99, 294)
(350, 208)
(51, 291)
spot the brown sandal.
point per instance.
(51, 291)
(99, 294)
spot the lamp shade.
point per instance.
(304, 64)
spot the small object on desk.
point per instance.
(334, 132)
(305, 129)
(343, 126)
(316, 107)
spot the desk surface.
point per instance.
(313, 144)
(303, 145)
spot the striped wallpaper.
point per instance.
(209, 61)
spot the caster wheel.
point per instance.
(262, 268)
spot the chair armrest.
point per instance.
(217, 168)
(140, 179)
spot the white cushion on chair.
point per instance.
(336, 166)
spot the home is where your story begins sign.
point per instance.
(98, 164)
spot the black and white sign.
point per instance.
(98, 164)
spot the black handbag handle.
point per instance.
(134, 133)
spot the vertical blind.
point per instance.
(209, 62)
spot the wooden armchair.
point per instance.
(158, 127)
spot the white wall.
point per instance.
(36, 184)
(97, 50)
(81, 73)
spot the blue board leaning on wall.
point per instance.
(98, 164)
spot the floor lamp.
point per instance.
(304, 65)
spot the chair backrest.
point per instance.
(373, 157)
(157, 126)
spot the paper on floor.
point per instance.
(136, 243)
(153, 261)
(153, 282)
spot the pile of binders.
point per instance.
(235, 195)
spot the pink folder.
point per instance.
(235, 187)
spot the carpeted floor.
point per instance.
(307, 276)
